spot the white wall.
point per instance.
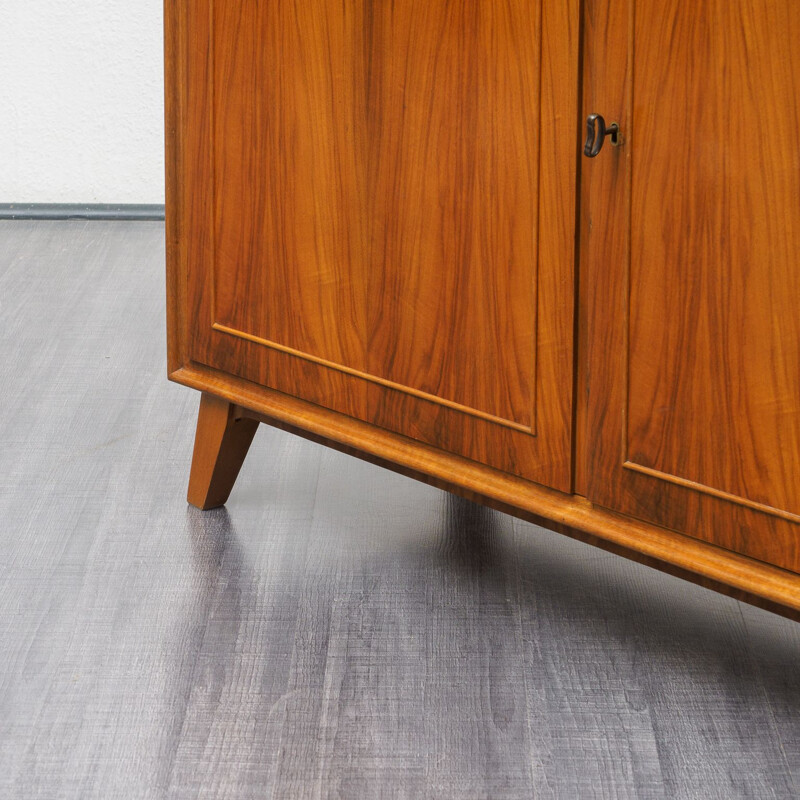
(81, 101)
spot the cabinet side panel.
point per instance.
(174, 104)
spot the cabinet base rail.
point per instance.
(226, 429)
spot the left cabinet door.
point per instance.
(377, 213)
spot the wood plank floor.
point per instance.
(339, 631)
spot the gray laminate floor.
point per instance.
(338, 631)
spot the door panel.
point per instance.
(453, 185)
(378, 173)
(289, 189)
(691, 236)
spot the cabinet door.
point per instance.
(691, 285)
(379, 214)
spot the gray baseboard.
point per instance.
(81, 211)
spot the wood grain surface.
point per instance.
(361, 188)
(339, 630)
(221, 442)
(690, 238)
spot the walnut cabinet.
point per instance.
(384, 235)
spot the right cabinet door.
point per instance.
(690, 269)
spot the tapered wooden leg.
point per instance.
(220, 446)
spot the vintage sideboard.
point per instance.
(545, 255)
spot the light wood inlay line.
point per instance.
(700, 487)
(474, 412)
